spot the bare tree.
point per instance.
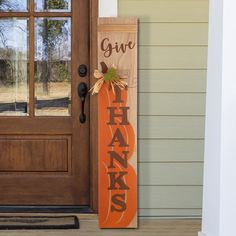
(7, 52)
(51, 30)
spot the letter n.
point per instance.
(115, 156)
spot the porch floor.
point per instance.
(147, 227)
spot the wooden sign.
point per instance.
(117, 125)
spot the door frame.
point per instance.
(93, 15)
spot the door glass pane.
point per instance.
(14, 67)
(13, 5)
(53, 66)
(53, 5)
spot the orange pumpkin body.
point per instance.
(111, 214)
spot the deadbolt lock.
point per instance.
(83, 70)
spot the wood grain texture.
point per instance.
(119, 37)
(80, 134)
(35, 154)
(93, 108)
(40, 189)
(38, 148)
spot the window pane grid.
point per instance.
(36, 102)
(24, 6)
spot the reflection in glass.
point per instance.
(13, 67)
(53, 66)
(53, 5)
(13, 5)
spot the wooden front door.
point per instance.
(44, 134)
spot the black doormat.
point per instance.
(38, 222)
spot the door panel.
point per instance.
(44, 148)
(35, 153)
(32, 189)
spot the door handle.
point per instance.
(82, 92)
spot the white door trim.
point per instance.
(108, 8)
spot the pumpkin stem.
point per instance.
(104, 67)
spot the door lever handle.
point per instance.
(82, 92)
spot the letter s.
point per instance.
(119, 204)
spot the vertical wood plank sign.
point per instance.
(117, 122)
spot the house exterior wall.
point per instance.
(172, 86)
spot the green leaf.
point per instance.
(111, 75)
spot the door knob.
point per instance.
(82, 92)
